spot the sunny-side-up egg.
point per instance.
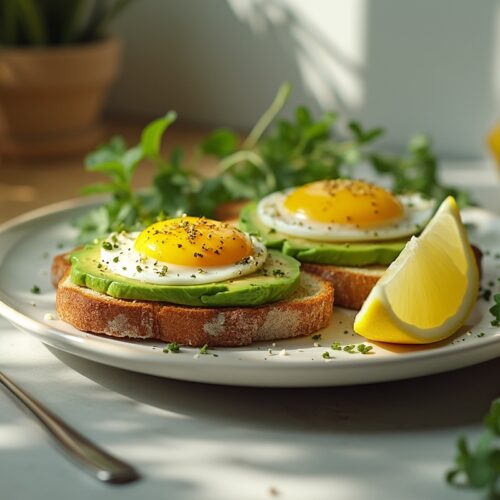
(344, 210)
(183, 251)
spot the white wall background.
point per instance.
(427, 65)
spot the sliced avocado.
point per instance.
(274, 281)
(340, 254)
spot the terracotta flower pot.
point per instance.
(51, 98)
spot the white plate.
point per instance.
(28, 243)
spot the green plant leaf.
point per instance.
(131, 159)
(276, 155)
(492, 420)
(152, 134)
(101, 187)
(112, 151)
(221, 143)
(479, 468)
(364, 136)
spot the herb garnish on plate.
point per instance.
(275, 155)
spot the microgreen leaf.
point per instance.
(111, 151)
(131, 159)
(172, 347)
(153, 133)
(221, 142)
(495, 310)
(479, 467)
(100, 187)
(277, 154)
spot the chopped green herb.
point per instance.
(326, 355)
(485, 293)
(107, 245)
(172, 347)
(35, 289)
(116, 259)
(364, 349)
(317, 336)
(278, 273)
(349, 348)
(495, 310)
(482, 334)
(204, 349)
(336, 346)
(139, 269)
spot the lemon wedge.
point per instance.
(427, 293)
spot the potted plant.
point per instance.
(56, 66)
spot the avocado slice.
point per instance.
(339, 254)
(274, 281)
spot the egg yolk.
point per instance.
(194, 241)
(343, 201)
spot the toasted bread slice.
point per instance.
(352, 284)
(307, 310)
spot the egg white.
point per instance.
(273, 214)
(123, 260)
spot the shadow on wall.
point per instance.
(412, 66)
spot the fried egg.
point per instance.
(344, 210)
(183, 251)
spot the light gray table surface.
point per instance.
(192, 441)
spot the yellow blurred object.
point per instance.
(427, 293)
(494, 142)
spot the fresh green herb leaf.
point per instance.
(495, 310)
(479, 467)
(172, 347)
(364, 349)
(277, 154)
(221, 142)
(35, 289)
(326, 355)
(336, 346)
(204, 349)
(152, 135)
(349, 348)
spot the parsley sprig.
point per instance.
(495, 310)
(479, 467)
(172, 347)
(277, 153)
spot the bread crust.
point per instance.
(60, 266)
(307, 310)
